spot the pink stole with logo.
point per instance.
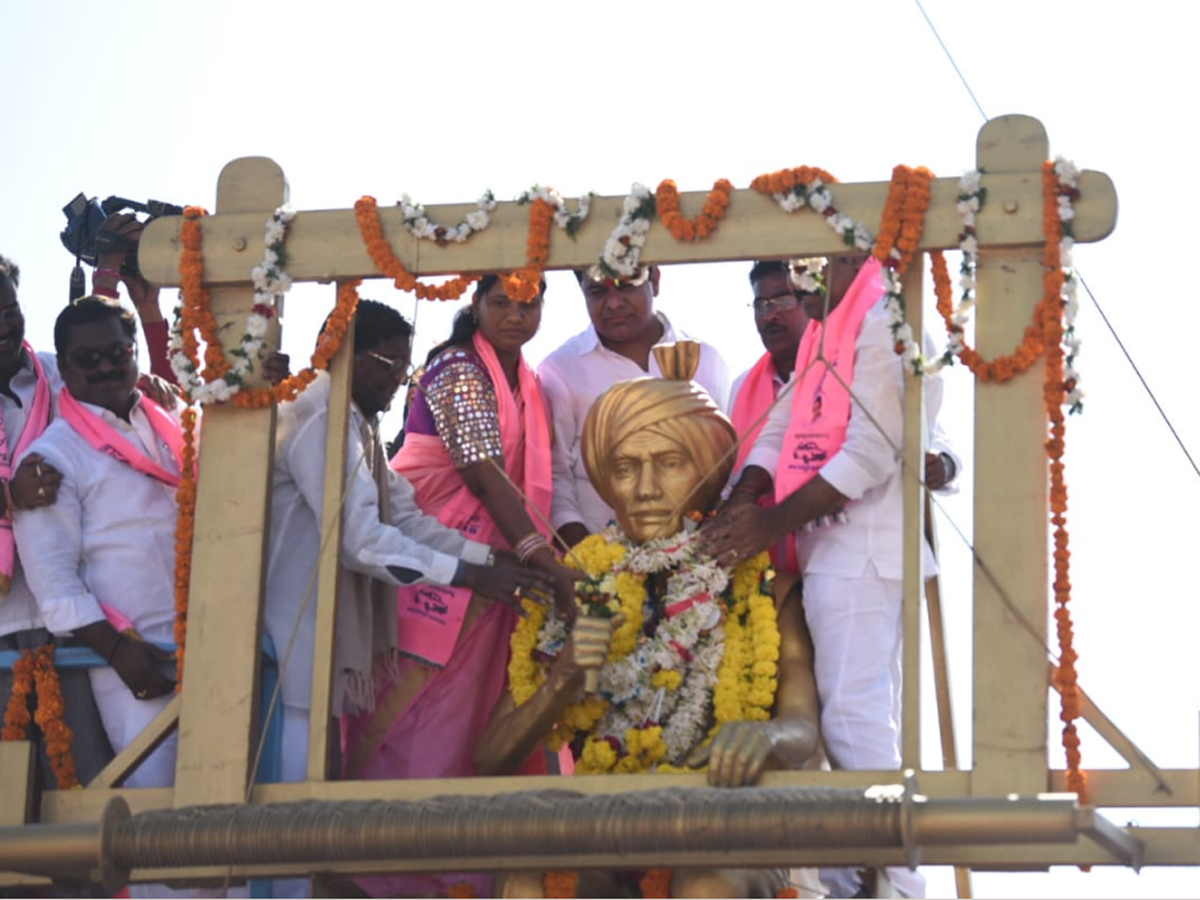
(35, 424)
(750, 408)
(431, 617)
(103, 437)
(820, 404)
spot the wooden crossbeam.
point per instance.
(325, 245)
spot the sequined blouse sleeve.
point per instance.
(462, 404)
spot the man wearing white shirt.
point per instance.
(848, 518)
(615, 347)
(109, 538)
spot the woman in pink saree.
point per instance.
(477, 451)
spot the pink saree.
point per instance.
(426, 723)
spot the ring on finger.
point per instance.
(41, 491)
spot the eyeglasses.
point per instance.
(114, 356)
(764, 306)
(399, 366)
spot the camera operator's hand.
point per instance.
(142, 293)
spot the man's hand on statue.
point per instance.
(738, 533)
(564, 578)
(508, 584)
(34, 484)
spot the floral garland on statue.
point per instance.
(422, 228)
(713, 644)
(622, 253)
(34, 673)
(795, 188)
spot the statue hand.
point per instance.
(737, 533)
(590, 640)
(742, 751)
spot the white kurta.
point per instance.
(414, 541)
(573, 376)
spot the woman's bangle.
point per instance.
(529, 545)
(111, 273)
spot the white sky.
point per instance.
(442, 100)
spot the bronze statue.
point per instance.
(659, 451)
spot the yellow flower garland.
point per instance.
(747, 678)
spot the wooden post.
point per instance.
(224, 632)
(1010, 491)
(913, 467)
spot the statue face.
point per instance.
(653, 478)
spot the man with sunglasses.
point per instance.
(101, 558)
(615, 347)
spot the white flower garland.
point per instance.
(563, 217)
(623, 249)
(971, 194)
(271, 282)
(818, 196)
(422, 228)
(688, 640)
(807, 275)
(1068, 177)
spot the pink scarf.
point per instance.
(750, 408)
(431, 617)
(35, 424)
(103, 437)
(820, 405)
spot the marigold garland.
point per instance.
(16, 714)
(688, 230)
(185, 531)
(1043, 337)
(34, 675)
(49, 718)
(526, 283)
(785, 180)
(366, 212)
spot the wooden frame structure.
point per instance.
(218, 710)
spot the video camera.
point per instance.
(86, 240)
